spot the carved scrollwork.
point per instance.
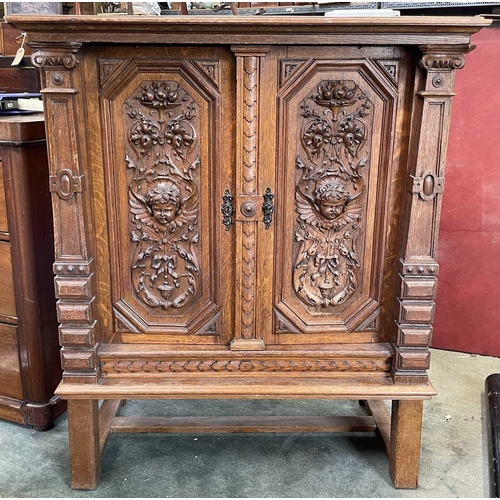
(330, 192)
(211, 67)
(67, 60)
(163, 158)
(288, 67)
(106, 68)
(443, 61)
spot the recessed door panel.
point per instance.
(335, 120)
(162, 120)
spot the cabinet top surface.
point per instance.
(255, 29)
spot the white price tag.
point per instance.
(20, 50)
(19, 56)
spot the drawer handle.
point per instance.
(227, 209)
(268, 208)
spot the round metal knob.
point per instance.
(248, 209)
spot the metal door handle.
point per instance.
(268, 208)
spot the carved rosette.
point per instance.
(163, 161)
(332, 160)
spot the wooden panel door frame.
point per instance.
(196, 75)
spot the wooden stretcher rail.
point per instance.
(251, 424)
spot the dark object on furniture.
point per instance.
(29, 352)
(21, 78)
(493, 395)
(246, 208)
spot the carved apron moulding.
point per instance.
(250, 365)
(332, 153)
(163, 158)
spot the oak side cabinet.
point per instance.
(29, 350)
(246, 208)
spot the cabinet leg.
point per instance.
(85, 456)
(404, 455)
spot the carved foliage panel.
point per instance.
(330, 195)
(330, 119)
(161, 283)
(163, 159)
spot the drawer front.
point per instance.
(3, 207)
(10, 372)
(7, 300)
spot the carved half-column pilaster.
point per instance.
(248, 67)
(74, 269)
(418, 268)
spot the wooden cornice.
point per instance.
(250, 30)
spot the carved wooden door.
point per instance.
(336, 113)
(251, 193)
(165, 122)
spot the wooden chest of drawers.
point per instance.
(29, 352)
(246, 208)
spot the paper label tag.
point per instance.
(19, 56)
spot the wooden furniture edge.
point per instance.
(21, 128)
(234, 388)
(405, 21)
(40, 416)
(248, 30)
(12, 410)
(109, 351)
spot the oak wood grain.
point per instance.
(382, 418)
(254, 424)
(245, 387)
(404, 456)
(317, 280)
(8, 303)
(85, 456)
(107, 415)
(10, 369)
(267, 30)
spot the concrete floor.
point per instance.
(454, 450)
